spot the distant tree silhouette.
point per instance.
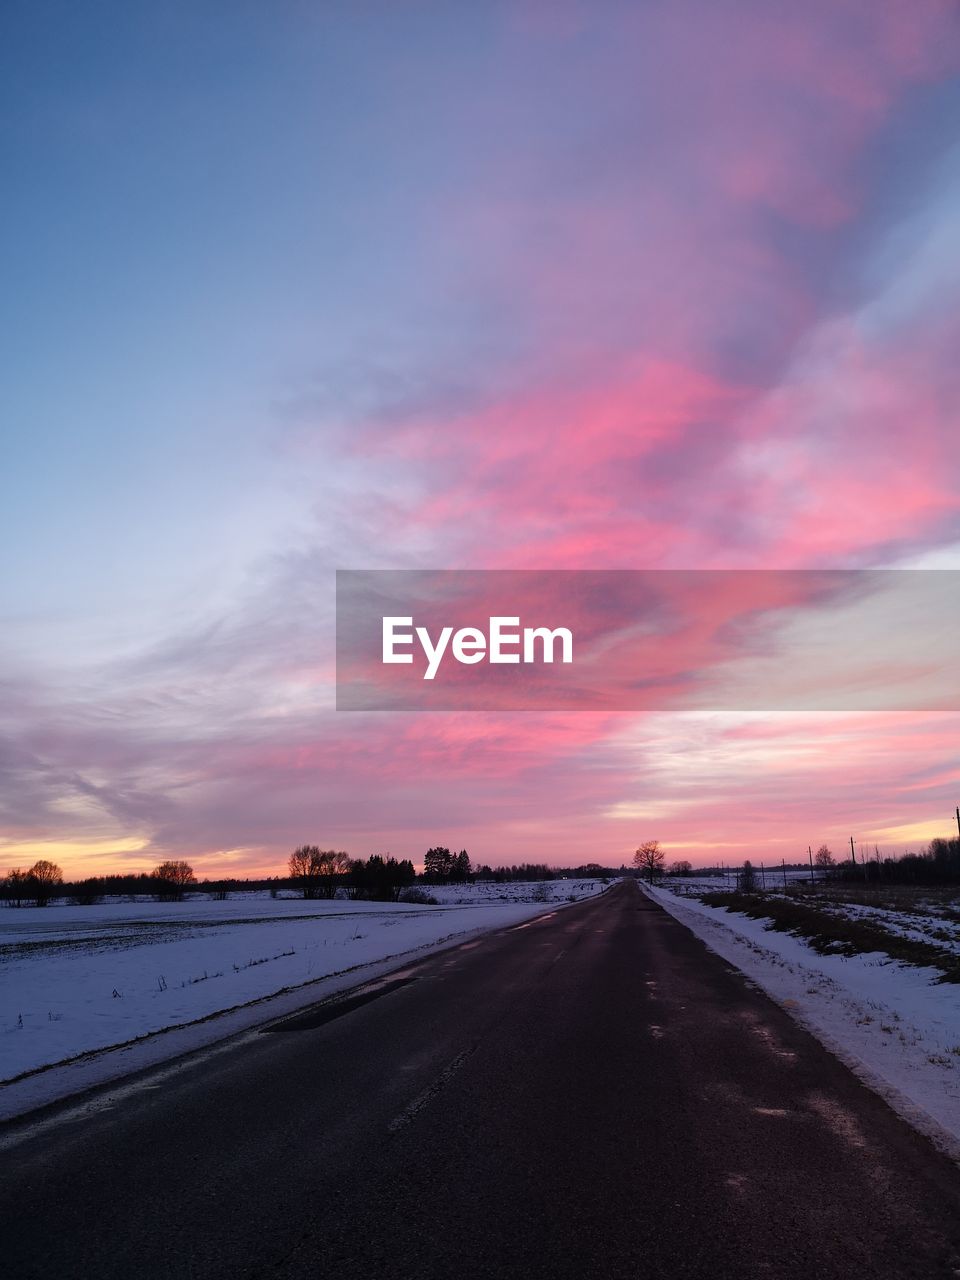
(20, 887)
(944, 858)
(43, 879)
(330, 867)
(16, 887)
(823, 857)
(681, 868)
(437, 865)
(172, 879)
(649, 859)
(460, 867)
(381, 878)
(303, 865)
(318, 872)
(84, 893)
(748, 878)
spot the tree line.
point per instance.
(320, 873)
(38, 885)
(311, 871)
(938, 864)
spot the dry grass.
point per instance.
(830, 934)
(906, 899)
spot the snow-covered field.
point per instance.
(75, 979)
(924, 921)
(895, 1024)
(772, 878)
(543, 891)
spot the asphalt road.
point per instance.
(590, 1095)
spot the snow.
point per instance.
(933, 923)
(544, 891)
(80, 979)
(929, 925)
(893, 1023)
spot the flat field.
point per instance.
(75, 979)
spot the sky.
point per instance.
(297, 288)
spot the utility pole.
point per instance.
(763, 878)
(864, 862)
(853, 852)
(958, 821)
(810, 856)
(783, 865)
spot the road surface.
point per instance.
(593, 1094)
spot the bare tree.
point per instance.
(172, 879)
(681, 868)
(302, 865)
(747, 878)
(329, 866)
(649, 859)
(823, 857)
(43, 878)
(17, 887)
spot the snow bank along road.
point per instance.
(589, 1094)
(77, 980)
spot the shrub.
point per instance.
(419, 896)
(86, 893)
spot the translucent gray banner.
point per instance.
(791, 640)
